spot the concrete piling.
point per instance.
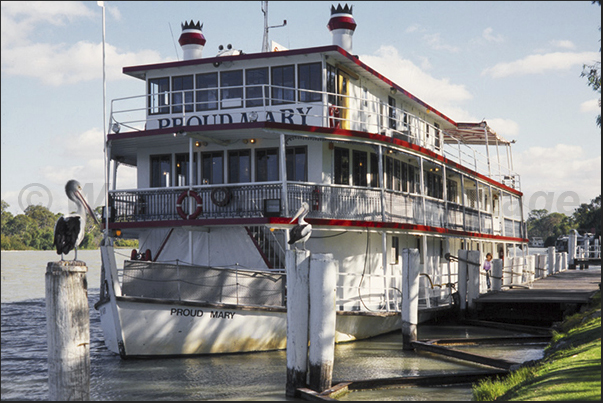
(68, 331)
(473, 277)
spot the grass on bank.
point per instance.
(570, 369)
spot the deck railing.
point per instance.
(326, 201)
(370, 114)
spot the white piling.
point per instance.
(531, 269)
(497, 273)
(298, 267)
(410, 296)
(551, 260)
(323, 285)
(557, 262)
(68, 331)
(563, 261)
(473, 277)
(462, 280)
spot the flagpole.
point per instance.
(106, 159)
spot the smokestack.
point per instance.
(342, 26)
(192, 40)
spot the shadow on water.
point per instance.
(257, 376)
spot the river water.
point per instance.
(256, 376)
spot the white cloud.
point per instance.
(487, 35)
(565, 44)
(436, 42)
(505, 127)
(538, 64)
(594, 105)
(440, 93)
(62, 63)
(563, 172)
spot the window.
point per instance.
(266, 165)
(392, 113)
(360, 168)
(182, 170)
(207, 91)
(310, 78)
(342, 166)
(213, 167)
(452, 190)
(161, 168)
(296, 164)
(181, 97)
(231, 97)
(374, 170)
(283, 78)
(159, 89)
(332, 84)
(239, 169)
(254, 90)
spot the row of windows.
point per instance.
(233, 89)
(213, 167)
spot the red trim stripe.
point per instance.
(192, 38)
(341, 23)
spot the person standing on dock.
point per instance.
(487, 267)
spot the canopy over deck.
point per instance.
(474, 134)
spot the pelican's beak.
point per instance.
(87, 206)
(299, 212)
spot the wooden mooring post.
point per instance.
(410, 296)
(68, 331)
(311, 314)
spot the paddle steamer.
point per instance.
(226, 150)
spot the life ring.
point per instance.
(221, 196)
(183, 195)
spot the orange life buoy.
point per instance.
(334, 116)
(180, 210)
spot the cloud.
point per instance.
(594, 105)
(435, 42)
(439, 91)
(62, 63)
(505, 127)
(563, 172)
(487, 35)
(541, 63)
(565, 44)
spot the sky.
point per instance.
(515, 64)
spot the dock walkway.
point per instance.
(549, 299)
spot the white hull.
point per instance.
(162, 328)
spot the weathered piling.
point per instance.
(551, 260)
(298, 267)
(323, 285)
(68, 331)
(473, 277)
(410, 297)
(462, 280)
(497, 274)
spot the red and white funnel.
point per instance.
(342, 26)
(192, 40)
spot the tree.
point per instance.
(588, 216)
(593, 74)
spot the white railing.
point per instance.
(305, 107)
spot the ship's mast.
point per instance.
(265, 42)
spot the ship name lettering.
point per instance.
(287, 116)
(222, 315)
(186, 312)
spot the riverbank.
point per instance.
(570, 369)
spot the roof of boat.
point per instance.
(469, 133)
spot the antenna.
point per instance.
(265, 44)
(174, 41)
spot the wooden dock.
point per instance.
(548, 300)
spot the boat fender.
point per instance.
(221, 196)
(134, 255)
(180, 210)
(147, 255)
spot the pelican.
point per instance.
(302, 231)
(69, 230)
